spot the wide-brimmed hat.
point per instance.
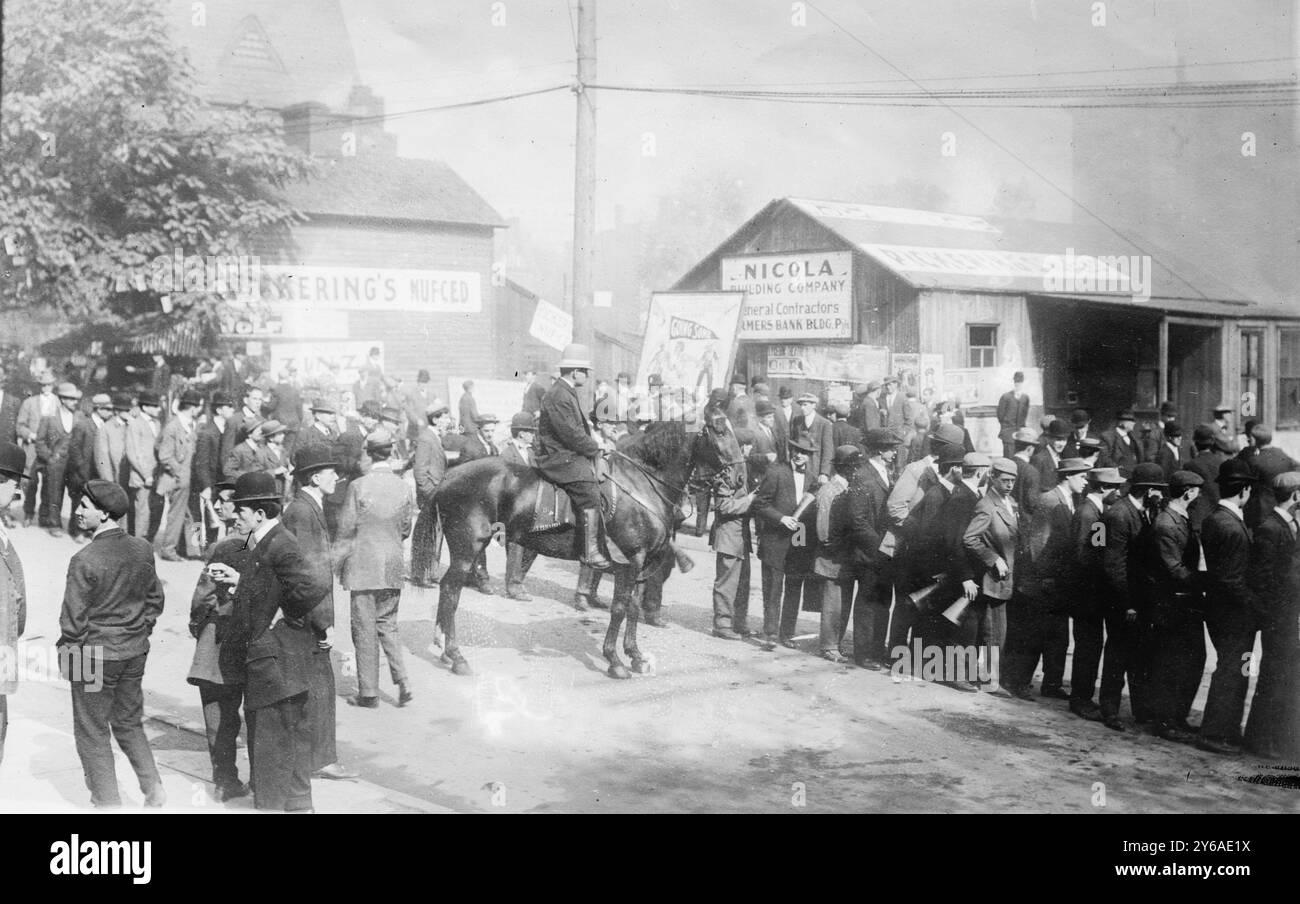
(312, 458)
(879, 438)
(107, 496)
(270, 428)
(1070, 466)
(1025, 436)
(847, 456)
(1233, 475)
(802, 444)
(522, 421)
(1148, 474)
(67, 391)
(575, 355)
(1107, 477)
(13, 461)
(256, 486)
(149, 398)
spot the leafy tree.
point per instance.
(110, 158)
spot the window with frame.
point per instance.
(981, 345)
(1288, 384)
(1252, 373)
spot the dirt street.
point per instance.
(719, 726)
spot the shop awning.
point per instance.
(153, 335)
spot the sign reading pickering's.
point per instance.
(793, 296)
(373, 289)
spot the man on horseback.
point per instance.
(566, 450)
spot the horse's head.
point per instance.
(718, 462)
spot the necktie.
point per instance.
(4, 539)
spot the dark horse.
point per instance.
(653, 473)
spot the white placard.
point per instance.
(314, 359)
(551, 325)
(504, 398)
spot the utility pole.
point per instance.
(584, 176)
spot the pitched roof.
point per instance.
(391, 188)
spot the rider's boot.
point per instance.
(592, 541)
(515, 573)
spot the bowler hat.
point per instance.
(312, 458)
(1070, 466)
(1204, 434)
(1025, 436)
(1080, 416)
(107, 496)
(1056, 430)
(1107, 477)
(121, 401)
(785, 392)
(951, 455)
(802, 444)
(878, 438)
(379, 438)
(576, 356)
(847, 456)
(1181, 480)
(763, 407)
(1173, 430)
(1233, 475)
(149, 398)
(1168, 409)
(190, 399)
(13, 461)
(220, 399)
(322, 406)
(1125, 415)
(68, 391)
(1147, 474)
(256, 486)
(521, 421)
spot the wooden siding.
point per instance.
(943, 317)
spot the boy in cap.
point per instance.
(112, 600)
(13, 588)
(429, 465)
(53, 442)
(1231, 610)
(1176, 643)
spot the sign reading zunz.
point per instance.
(798, 296)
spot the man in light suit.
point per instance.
(33, 410)
(53, 444)
(175, 468)
(142, 435)
(13, 588)
(273, 661)
(304, 517)
(730, 540)
(807, 423)
(892, 406)
(375, 521)
(991, 540)
(518, 452)
(430, 465)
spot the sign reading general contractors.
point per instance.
(375, 289)
(796, 296)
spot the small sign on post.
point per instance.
(551, 325)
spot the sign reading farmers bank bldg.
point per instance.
(793, 296)
(375, 289)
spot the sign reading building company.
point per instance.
(793, 296)
(375, 289)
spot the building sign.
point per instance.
(287, 321)
(830, 363)
(375, 289)
(551, 325)
(793, 296)
(336, 364)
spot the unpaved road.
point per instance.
(720, 726)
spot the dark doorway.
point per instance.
(1195, 372)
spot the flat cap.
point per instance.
(102, 400)
(436, 407)
(107, 496)
(1181, 480)
(976, 460)
(1005, 466)
(379, 438)
(807, 397)
(323, 406)
(488, 419)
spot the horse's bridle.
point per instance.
(690, 487)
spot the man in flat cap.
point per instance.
(865, 412)
(53, 442)
(821, 435)
(375, 521)
(992, 539)
(175, 469)
(112, 600)
(430, 466)
(1089, 578)
(273, 659)
(1120, 447)
(254, 454)
(1013, 413)
(1176, 642)
(13, 587)
(1038, 616)
(142, 434)
(1232, 610)
(81, 452)
(892, 405)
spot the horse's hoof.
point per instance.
(580, 604)
(461, 667)
(618, 671)
(641, 667)
(445, 659)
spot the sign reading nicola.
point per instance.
(796, 296)
(375, 289)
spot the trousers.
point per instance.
(731, 593)
(870, 617)
(1272, 708)
(1035, 631)
(222, 721)
(176, 520)
(1234, 643)
(321, 703)
(1124, 658)
(1177, 661)
(1089, 632)
(279, 754)
(116, 708)
(773, 582)
(374, 625)
(147, 508)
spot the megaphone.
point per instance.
(684, 562)
(920, 598)
(954, 612)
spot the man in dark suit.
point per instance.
(112, 601)
(467, 408)
(1275, 580)
(241, 423)
(519, 452)
(1053, 446)
(768, 439)
(1013, 413)
(1028, 489)
(1038, 623)
(1080, 428)
(275, 661)
(867, 513)
(81, 452)
(1126, 525)
(806, 422)
(1177, 637)
(842, 432)
(1206, 460)
(566, 450)
(865, 413)
(1168, 454)
(1157, 438)
(321, 432)
(206, 469)
(13, 586)
(316, 476)
(375, 522)
(920, 557)
(784, 566)
(1231, 610)
(1267, 462)
(429, 467)
(1088, 575)
(478, 439)
(1119, 448)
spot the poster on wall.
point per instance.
(806, 295)
(327, 363)
(931, 377)
(908, 369)
(690, 340)
(983, 386)
(837, 363)
(504, 398)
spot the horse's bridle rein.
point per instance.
(685, 489)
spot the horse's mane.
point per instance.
(656, 447)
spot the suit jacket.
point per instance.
(1169, 460)
(565, 447)
(304, 517)
(13, 611)
(1267, 463)
(920, 551)
(1042, 461)
(1173, 560)
(375, 519)
(110, 452)
(53, 440)
(730, 532)
(993, 533)
(244, 460)
(1206, 463)
(206, 467)
(474, 446)
(468, 409)
(1228, 594)
(859, 520)
(175, 456)
(1029, 487)
(1049, 551)
(510, 453)
(414, 402)
(238, 426)
(776, 498)
(1013, 413)
(1089, 562)
(277, 662)
(893, 413)
(1071, 449)
(1119, 452)
(349, 448)
(113, 596)
(81, 450)
(823, 435)
(1273, 573)
(950, 526)
(9, 407)
(29, 418)
(910, 488)
(430, 465)
(141, 454)
(845, 434)
(865, 414)
(1123, 557)
(211, 609)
